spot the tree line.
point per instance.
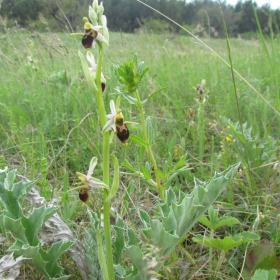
(201, 16)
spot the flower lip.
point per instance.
(88, 38)
(123, 133)
(83, 195)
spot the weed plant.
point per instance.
(50, 129)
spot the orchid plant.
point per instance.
(175, 221)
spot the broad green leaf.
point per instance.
(34, 222)
(14, 226)
(12, 194)
(261, 256)
(261, 274)
(225, 221)
(34, 255)
(138, 141)
(52, 255)
(227, 242)
(160, 237)
(138, 259)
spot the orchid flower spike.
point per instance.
(87, 182)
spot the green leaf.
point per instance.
(34, 222)
(116, 180)
(261, 274)
(225, 221)
(138, 141)
(146, 173)
(138, 259)
(128, 166)
(12, 194)
(156, 92)
(160, 237)
(227, 242)
(51, 257)
(119, 228)
(14, 226)
(150, 130)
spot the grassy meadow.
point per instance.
(49, 130)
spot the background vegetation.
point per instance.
(49, 129)
(200, 16)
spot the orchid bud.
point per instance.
(92, 15)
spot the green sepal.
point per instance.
(116, 180)
(89, 77)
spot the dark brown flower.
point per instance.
(122, 133)
(83, 195)
(89, 38)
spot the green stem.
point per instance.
(219, 264)
(211, 250)
(149, 148)
(106, 171)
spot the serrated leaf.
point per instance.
(225, 221)
(138, 141)
(34, 222)
(12, 195)
(160, 236)
(138, 259)
(145, 217)
(227, 242)
(51, 257)
(14, 226)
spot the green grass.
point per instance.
(49, 127)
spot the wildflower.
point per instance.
(87, 182)
(200, 89)
(92, 33)
(116, 123)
